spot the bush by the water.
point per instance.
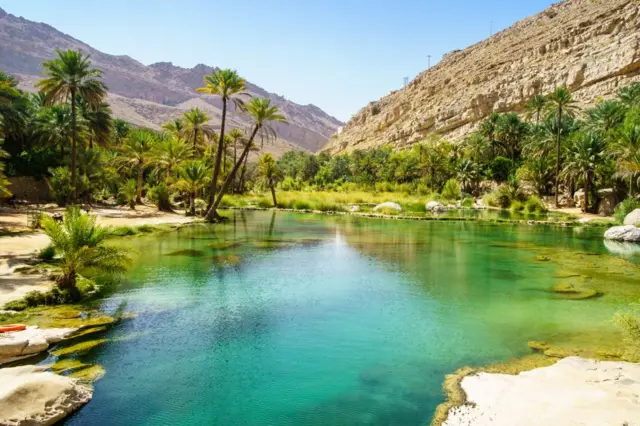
(535, 205)
(624, 208)
(451, 190)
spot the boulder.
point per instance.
(355, 209)
(633, 218)
(30, 395)
(388, 205)
(578, 198)
(607, 201)
(435, 207)
(623, 233)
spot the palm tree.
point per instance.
(606, 115)
(269, 174)
(476, 147)
(509, 132)
(467, 174)
(243, 172)
(4, 182)
(98, 121)
(176, 127)
(229, 86)
(194, 176)
(261, 113)
(235, 135)
(194, 126)
(81, 245)
(129, 191)
(168, 154)
(626, 149)
(535, 106)
(53, 126)
(68, 76)
(136, 151)
(630, 95)
(584, 153)
(560, 102)
(120, 130)
(488, 129)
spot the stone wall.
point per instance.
(30, 189)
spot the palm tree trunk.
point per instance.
(212, 214)
(192, 204)
(242, 175)
(74, 194)
(235, 158)
(139, 195)
(216, 167)
(273, 194)
(195, 141)
(558, 154)
(586, 191)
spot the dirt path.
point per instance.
(16, 250)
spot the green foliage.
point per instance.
(81, 245)
(451, 190)
(624, 208)
(60, 185)
(47, 253)
(129, 192)
(516, 206)
(628, 322)
(160, 195)
(467, 202)
(302, 205)
(500, 169)
(535, 205)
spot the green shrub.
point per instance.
(624, 208)
(500, 169)
(47, 253)
(16, 305)
(385, 187)
(60, 185)
(264, 202)
(451, 190)
(145, 229)
(124, 231)
(422, 189)
(129, 192)
(516, 206)
(405, 188)
(535, 205)
(302, 205)
(35, 298)
(467, 202)
(325, 206)
(160, 195)
(490, 199)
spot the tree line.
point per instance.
(66, 133)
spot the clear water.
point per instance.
(337, 321)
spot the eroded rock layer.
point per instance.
(592, 46)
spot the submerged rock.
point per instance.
(388, 205)
(632, 218)
(623, 233)
(435, 207)
(572, 391)
(31, 396)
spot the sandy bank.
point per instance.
(15, 251)
(574, 391)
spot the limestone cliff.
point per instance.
(592, 46)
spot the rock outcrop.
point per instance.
(627, 233)
(574, 391)
(31, 396)
(32, 341)
(632, 218)
(591, 46)
(435, 207)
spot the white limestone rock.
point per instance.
(31, 396)
(388, 205)
(31, 341)
(435, 207)
(623, 233)
(632, 218)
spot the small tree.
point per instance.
(129, 192)
(269, 174)
(81, 245)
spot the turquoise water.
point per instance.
(312, 320)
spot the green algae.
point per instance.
(90, 373)
(80, 347)
(224, 245)
(186, 252)
(63, 316)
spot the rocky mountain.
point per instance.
(150, 95)
(592, 46)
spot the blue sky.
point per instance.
(336, 54)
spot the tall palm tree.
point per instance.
(243, 172)
(467, 174)
(136, 151)
(476, 147)
(168, 154)
(630, 95)
(535, 106)
(195, 126)
(261, 114)
(229, 86)
(488, 129)
(509, 133)
(584, 153)
(175, 127)
(560, 102)
(269, 174)
(4, 182)
(606, 115)
(194, 176)
(626, 149)
(235, 135)
(68, 76)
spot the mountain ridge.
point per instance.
(149, 95)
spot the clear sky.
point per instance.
(336, 54)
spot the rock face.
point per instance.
(591, 46)
(388, 205)
(33, 340)
(623, 233)
(30, 396)
(150, 95)
(633, 218)
(574, 391)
